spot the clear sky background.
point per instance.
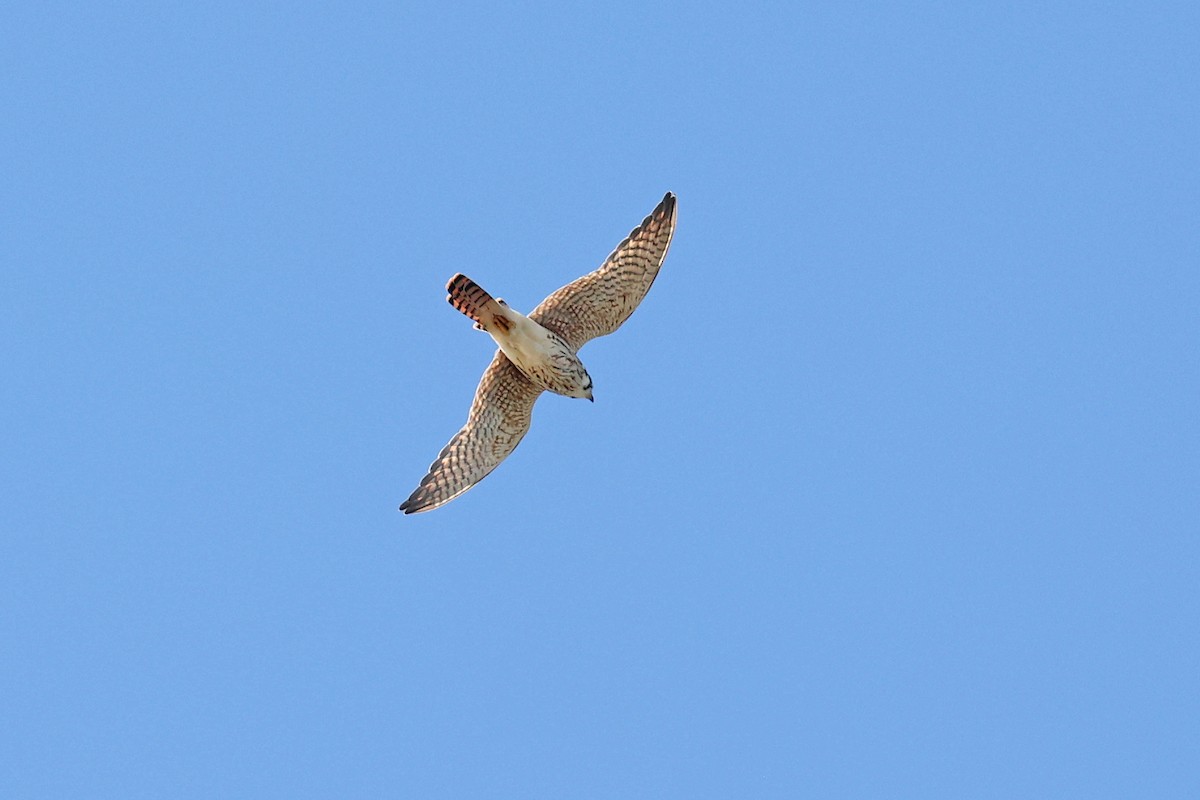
(891, 486)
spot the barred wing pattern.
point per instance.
(499, 418)
(599, 302)
(595, 305)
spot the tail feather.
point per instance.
(469, 298)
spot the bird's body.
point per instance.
(539, 352)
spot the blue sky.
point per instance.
(889, 489)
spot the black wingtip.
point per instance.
(667, 205)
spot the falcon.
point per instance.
(539, 352)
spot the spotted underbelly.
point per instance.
(562, 378)
(544, 358)
(554, 368)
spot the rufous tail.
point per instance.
(468, 297)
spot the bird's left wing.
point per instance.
(498, 419)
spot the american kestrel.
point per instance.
(539, 352)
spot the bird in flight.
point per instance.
(539, 352)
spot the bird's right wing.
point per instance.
(499, 417)
(599, 302)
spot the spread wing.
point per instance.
(597, 304)
(499, 417)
